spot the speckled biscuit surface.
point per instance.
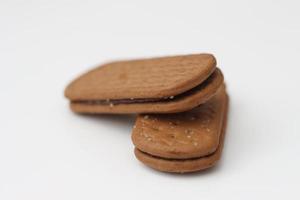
(183, 142)
(179, 103)
(145, 78)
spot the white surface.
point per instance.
(47, 152)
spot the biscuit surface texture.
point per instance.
(147, 78)
(183, 142)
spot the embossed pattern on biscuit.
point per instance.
(145, 78)
(183, 135)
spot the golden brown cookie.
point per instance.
(183, 142)
(157, 85)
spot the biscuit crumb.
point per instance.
(146, 117)
(111, 105)
(149, 139)
(171, 97)
(188, 136)
(195, 143)
(174, 123)
(189, 131)
(131, 98)
(207, 129)
(155, 128)
(206, 121)
(192, 118)
(145, 135)
(134, 126)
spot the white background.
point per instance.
(47, 152)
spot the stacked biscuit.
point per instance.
(181, 104)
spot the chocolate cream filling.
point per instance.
(196, 89)
(176, 159)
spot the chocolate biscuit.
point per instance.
(157, 85)
(183, 142)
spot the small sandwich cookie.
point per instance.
(183, 142)
(157, 85)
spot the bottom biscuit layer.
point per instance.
(185, 165)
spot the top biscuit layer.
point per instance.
(147, 78)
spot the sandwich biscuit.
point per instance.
(156, 85)
(183, 142)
